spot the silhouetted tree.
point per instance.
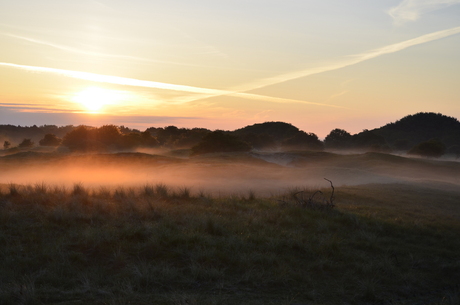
(6, 144)
(258, 141)
(82, 138)
(369, 140)
(26, 143)
(219, 141)
(109, 135)
(50, 140)
(338, 138)
(148, 140)
(131, 140)
(432, 148)
(303, 140)
(278, 131)
(190, 138)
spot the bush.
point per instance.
(50, 140)
(432, 148)
(6, 144)
(26, 143)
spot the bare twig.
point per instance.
(331, 200)
(313, 202)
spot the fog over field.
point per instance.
(265, 173)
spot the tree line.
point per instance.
(263, 136)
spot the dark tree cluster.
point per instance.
(338, 139)
(270, 135)
(424, 134)
(106, 138)
(220, 141)
(178, 138)
(16, 134)
(432, 148)
(304, 141)
(50, 140)
(26, 143)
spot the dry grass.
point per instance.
(382, 244)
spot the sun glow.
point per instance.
(94, 99)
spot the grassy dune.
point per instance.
(155, 245)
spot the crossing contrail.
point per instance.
(124, 81)
(242, 90)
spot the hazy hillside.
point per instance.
(401, 135)
(279, 131)
(420, 127)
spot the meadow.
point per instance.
(228, 229)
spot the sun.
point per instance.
(93, 99)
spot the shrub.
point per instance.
(6, 145)
(26, 143)
(50, 140)
(432, 148)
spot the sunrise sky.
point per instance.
(319, 65)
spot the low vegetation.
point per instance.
(379, 244)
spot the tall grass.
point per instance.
(158, 245)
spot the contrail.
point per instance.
(124, 81)
(116, 80)
(90, 53)
(411, 10)
(114, 56)
(352, 60)
(240, 92)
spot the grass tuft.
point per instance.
(79, 190)
(13, 190)
(162, 191)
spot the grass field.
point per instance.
(382, 243)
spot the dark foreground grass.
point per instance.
(155, 245)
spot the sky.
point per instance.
(219, 64)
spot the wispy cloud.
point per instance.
(208, 50)
(35, 108)
(336, 96)
(96, 54)
(204, 50)
(411, 10)
(350, 60)
(242, 91)
(124, 81)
